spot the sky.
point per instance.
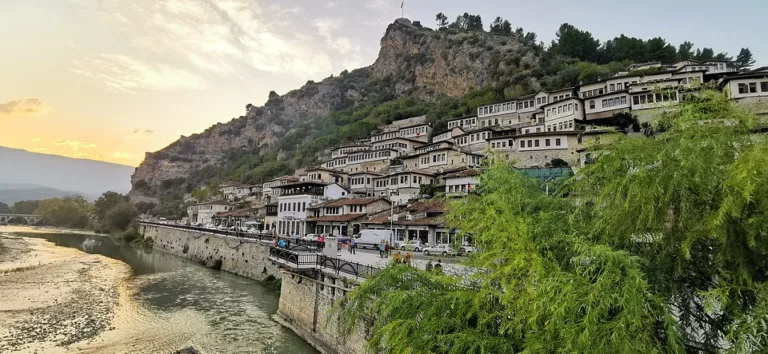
(112, 79)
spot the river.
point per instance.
(183, 303)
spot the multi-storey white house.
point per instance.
(473, 141)
(401, 187)
(342, 151)
(562, 115)
(399, 144)
(419, 131)
(461, 182)
(268, 190)
(296, 198)
(326, 175)
(202, 213)
(361, 183)
(371, 160)
(498, 114)
(447, 135)
(442, 159)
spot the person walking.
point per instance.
(352, 246)
(382, 249)
(387, 250)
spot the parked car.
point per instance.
(253, 231)
(442, 249)
(410, 245)
(467, 250)
(311, 237)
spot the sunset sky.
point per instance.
(111, 79)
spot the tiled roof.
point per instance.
(464, 173)
(434, 221)
(232, 184)
(286, 178)
(241, 212)
(345, 217)
(430, 205)
(348, 201)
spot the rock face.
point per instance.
(412, 61)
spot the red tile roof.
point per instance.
(434, 221)
(430, 205)
(348, 201)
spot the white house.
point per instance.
(461, 182)
(362, 182)
(296, 198)
(465, 123)
(268, 190)
(606, 105)
(497, 114)
(562, 115)
(402, 187)
(447, 135)
(748, 85)
(473, 141)
(342, 151)
(206, 211)
(344, 216)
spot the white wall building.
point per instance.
(562, 115)
(206, 211)
(465, 123)
(461, 182)
(751, 84)
(294, 200)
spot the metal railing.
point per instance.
(298, 260)
(290, 241)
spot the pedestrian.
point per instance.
(274, 242)
(408, 258)
(387, 249)
(281, 243)
(321, 240)
(397, 259)
(382, 249)
(428, 268)
(439, 266)
(353, 246)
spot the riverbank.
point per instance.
(54, 297)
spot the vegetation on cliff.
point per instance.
(111, 212)
(659, 246)
(443, 73)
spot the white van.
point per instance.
(372, 238)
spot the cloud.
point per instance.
(76, 145)
(32, 105)
(124, 155)
(179, 44)
(123, 74)
(36, 139)
(141, 134)
(344, 45)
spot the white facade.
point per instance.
(400, 144)
(747, 87)
(292, 210)
(344, 150)
(362, 183)
(361, 157)
(460, 185)
(607, 103)
(417, 132)
(496, 109)
(206, 211)
(401, 187)
(562, 115)
(473, 141)
(548, 142)
(647, 100)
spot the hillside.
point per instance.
(11, 193)
(441, 73)
(62, 174)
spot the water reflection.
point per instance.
(216, 311)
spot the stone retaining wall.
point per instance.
(245, 258)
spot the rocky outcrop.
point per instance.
(412, 61)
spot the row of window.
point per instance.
(435, 159)
(477, 137)
(359, 180)
(565, 108)
(332, 211)
(496, 108)
(560, 126)
(690, 79)
(470, 122)
(525, 104)
(461, 188)
(490, 122)
(751, 87)
(429, 148)
(296, 206)
(391, 146)
(348, 150)
(657, 98)
(610, 102)
(370, 156)
(535, 142)
(502, 144)
(611, 88)
(412, 131)
(356, 209)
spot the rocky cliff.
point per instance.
(413, 62)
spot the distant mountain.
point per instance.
(12, 193)
(24, 173)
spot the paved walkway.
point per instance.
(371, 257)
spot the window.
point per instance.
(570, 125)
(592, 104)
(764, 86)
(522, 143)
(642, 99)
(752, 87)
(624, 100)
(549, 128)
(536, 142)
(559, 109)
(636, 100)
(570, 107)
(611, 87)
(546, 142)
(557, 142)
(618, 86)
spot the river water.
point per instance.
(180, 301)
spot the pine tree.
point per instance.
(744, 60)
(442, 20)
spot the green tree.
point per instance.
(442, 20)
(575, 43)
(657, 49)
(659, 246)
(501, 27)
(146, 207)
(468, 22)
(744, 60)
(685, 51)
(704, 54)
(201, 194)
(4, 208)
(25, 206)
(121, 216)
(106, 202)
(65, 212)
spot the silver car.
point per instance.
(442, 249)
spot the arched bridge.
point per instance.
(28, 218)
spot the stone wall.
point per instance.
(305, 307)
(249, 259)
